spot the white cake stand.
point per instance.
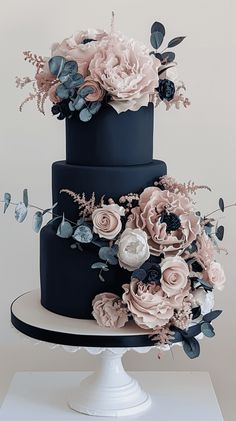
(110, 391)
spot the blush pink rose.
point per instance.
(153, 202)
(52, 94)
(44, 80)
(107, 221)
(126, 71)
(216, 275)
(148, 304)
(73, 48)
(98, 92)
(109, 311)
(175, 274)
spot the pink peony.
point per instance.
(109, 311)
(174, 275)
(216, 275)
(73, 49)
(126, 71)
(153, 202)
(106, 221)
(133, 249)
(148, 304)
(98, 91)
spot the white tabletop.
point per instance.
(176, 396)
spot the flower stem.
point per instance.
(217, 210)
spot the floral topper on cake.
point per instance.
(166, 245)
(94, 67)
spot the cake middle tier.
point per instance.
(113, 182)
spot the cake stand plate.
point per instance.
(110, 391)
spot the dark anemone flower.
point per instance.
(61, 109)
(166, 89)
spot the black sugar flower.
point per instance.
(166, 89)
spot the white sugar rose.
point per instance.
(109, 311)
(107, 221)
(203, 299)
(148, 304)
(175, 274)
(126, 71)
(133, 249)
(216, 275)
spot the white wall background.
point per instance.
(198, 144)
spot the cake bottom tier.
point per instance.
(68, 284)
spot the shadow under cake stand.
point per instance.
(109, 391)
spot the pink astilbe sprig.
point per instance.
(21, 82)
(169, 183)
(162, 335)
(86, 206)
(183, 317)
(34, 59)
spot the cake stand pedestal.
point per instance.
(110, 391)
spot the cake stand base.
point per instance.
(110, 391)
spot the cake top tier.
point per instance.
(94, 68)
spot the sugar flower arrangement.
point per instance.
(168, 248)
(94, 67)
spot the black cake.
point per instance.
(111, 155)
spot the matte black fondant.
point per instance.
(110, 138)
(111, 181)
(68, 284)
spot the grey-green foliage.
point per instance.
(37, 221)
(65, 229)
(7, 201)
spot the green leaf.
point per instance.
(205, 284)
(168, 56)
(56, 64)
(221, 204)
(85, 115)
(20, 212)
(94, 107)
(208, 330)
(65, 229)
(191, 347)
(83, 234)
(7, 201)
(158, 27)
(62, 92)
(101, 277)
(100, 265)
(156, 39)
(25, 198)
(196, 312)
(37, 221)
(175, 41)
(108, 254)
(73, 81)
(212, 315)
(220, 232)
(78, 103)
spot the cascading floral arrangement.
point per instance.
(169, 249)
(95, 67)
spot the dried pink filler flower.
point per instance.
(109, 311)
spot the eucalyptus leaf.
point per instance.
(191, 347)
(83, 234)
(70, 67)
(205, 284)
(208, 330)
(175, 41)
(62, 92)
(83, 92)
(71, 106)
(212, 315)
(107, 253)
(221, 204)
(100, 265)
(37, 221)
(73, 246)
(196, 312)
(7, 201)
(25, 198)
(94, 107)
(193, 331)
(168, 56)
(65, 229)
(158, 27)
(20, 212)
(79, 103)
(85, 115)
(139, 274)
(208, 229)
(177, 337)
(156, 39)
(101, 277)
(56, 64)
(73, 81)
(220, 232)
